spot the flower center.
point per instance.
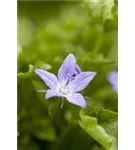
(64, 90)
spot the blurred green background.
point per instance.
(47, 32)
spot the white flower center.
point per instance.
(64, 90)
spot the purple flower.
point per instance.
(76, 72)
(69, 82)
(113, 78)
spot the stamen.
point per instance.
(64, 90)
(87, 97)
(62, 102)
(42, 91)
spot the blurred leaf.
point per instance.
(43, 129)
(110, 25)
(100, 8)
(33, 117)
(74, 138)
(24, 27)
(25, 142)
(116, 2)
(113, 54)
(39, 10)
(106, 97)
(115, 8)
(102, 125)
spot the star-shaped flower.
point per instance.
(70, 81)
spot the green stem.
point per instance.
(97, 46)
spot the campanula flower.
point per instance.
(113, 79)
(69, 82)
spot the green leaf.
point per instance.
(101, 8)
(102, 125)
(24, 26)
(43, 129)
(116, 2)
(106, 97)
(74, 138)
(32, 115)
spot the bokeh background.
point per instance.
(47, 32)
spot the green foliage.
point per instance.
(102, 125)
(47, 32)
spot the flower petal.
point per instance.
(81, 81)
(67, 68)
(77, 99)
(52, 93)
(49, 79)
(77, 70)
(113, 78)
